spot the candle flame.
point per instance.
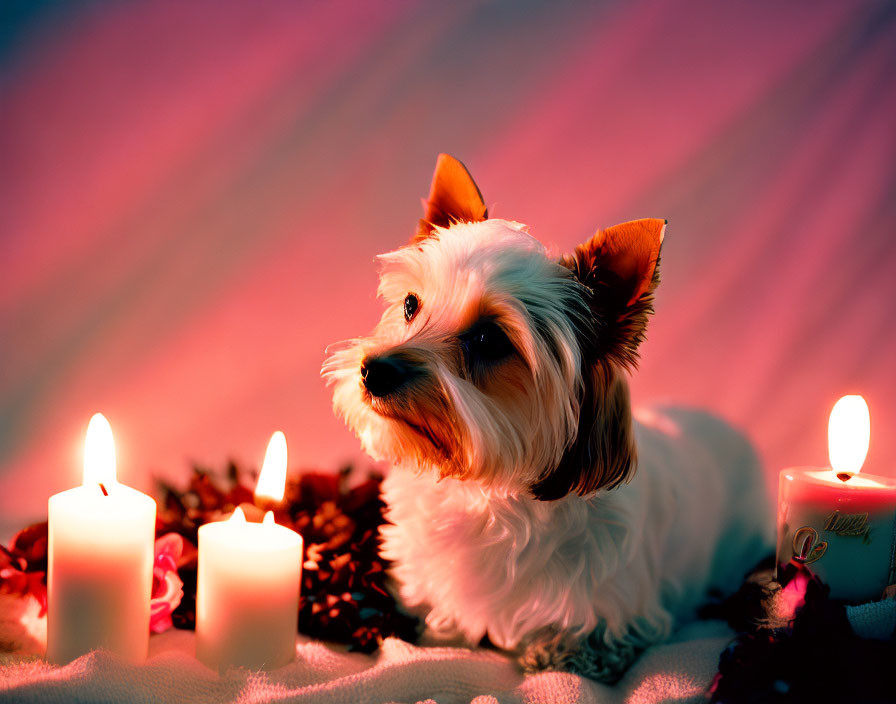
(272, 480)
(238, 515)
(268, 518)
(849, 434)
(99, 452)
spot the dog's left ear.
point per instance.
(453, 197)
(619, 267)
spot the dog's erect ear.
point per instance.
(620, 268)
(603, 454)
(453, 197)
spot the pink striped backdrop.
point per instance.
(192, 194)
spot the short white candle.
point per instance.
(247, 595)
(100, 554)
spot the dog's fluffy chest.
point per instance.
(505, 565)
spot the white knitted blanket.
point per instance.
(678, 671)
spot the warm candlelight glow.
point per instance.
(837, 523)
(272, 480)
(849, 433)
(99, 452)
(268, 518)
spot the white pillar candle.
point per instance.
(839, 524)
(247, 594)
(100, 553)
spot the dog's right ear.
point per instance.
(453, 197)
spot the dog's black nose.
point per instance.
(384, 375)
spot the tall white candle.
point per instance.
(100, 554)
(247, 595)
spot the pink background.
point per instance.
(192, 194)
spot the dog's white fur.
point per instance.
(471, 547)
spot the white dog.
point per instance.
(495, 382)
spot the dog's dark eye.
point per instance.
(485, 342)
(411, 304)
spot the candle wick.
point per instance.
(103, 487)
(844, 476)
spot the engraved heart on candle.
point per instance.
(806, 545)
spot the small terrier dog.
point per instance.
(495, 384)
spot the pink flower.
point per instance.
(167, 587)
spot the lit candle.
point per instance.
(247, 597)
(100, 554)
(841, 524)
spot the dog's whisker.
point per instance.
(342, 346)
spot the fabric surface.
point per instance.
(192, 196)
(678, 671)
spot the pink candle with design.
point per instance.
(247, 597)
(841, 524)
(99, 560)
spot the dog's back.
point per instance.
(707, 477)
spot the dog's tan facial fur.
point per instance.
(423, 409)
(511, 365)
